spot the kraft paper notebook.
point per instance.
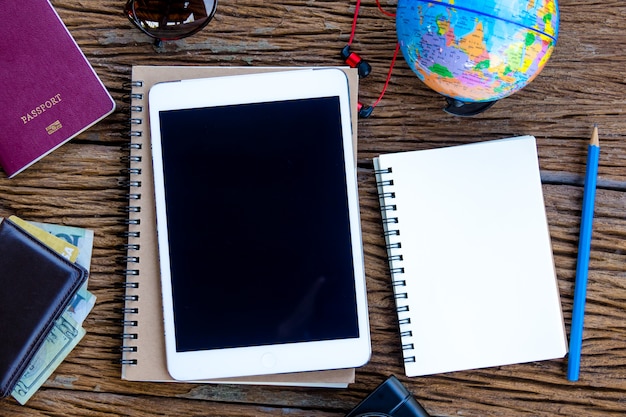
(470, 256)
(49, 93)
(143, 357)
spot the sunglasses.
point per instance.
(170, 19)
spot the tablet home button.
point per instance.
(268, 360)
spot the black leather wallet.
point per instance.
(36, 284)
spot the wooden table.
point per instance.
(583, 84)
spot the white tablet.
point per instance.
(258, 225)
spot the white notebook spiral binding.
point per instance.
(132, 271)
(391, 225)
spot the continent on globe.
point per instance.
(475, 52)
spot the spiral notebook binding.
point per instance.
(391, 225)
(132, 182)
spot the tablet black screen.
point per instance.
(258, 224)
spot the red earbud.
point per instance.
(355, 61)
(364, 111)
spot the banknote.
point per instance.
(81, 305)
(79, 237)
(63, 337)
(62, 246)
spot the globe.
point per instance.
(475, 52)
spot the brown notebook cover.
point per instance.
(37, 284)
(143, 357)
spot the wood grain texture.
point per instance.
(583, 83)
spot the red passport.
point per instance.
(49, 92)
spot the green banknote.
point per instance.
(63, 337)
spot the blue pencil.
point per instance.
(582, 266)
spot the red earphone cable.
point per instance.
(393, 62)
(357, 7)
(356, 15)
(395, 54)
(384, 11)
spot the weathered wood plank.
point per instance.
(582, 84)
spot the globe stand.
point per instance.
(465, 109)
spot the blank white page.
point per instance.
(478, 274)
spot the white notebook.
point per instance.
(470, 256)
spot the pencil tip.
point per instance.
(595, 141)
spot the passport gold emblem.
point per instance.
(54, 127)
